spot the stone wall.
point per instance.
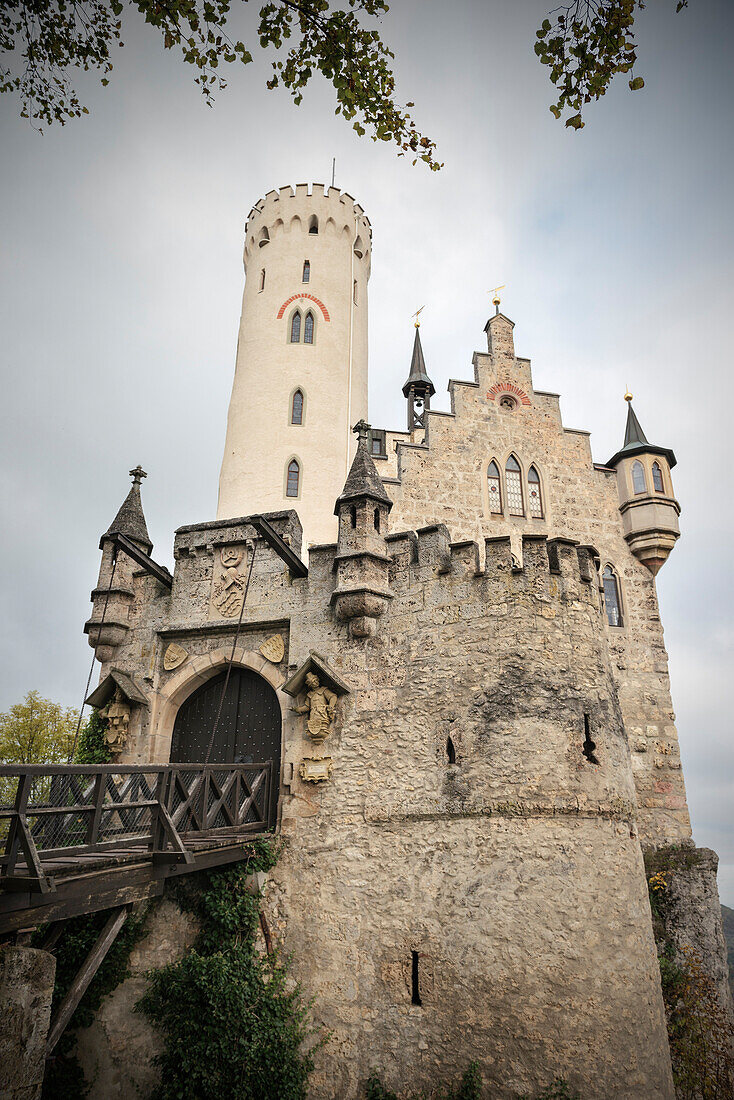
(26, 989)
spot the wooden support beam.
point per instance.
(282, 549)
(89, 968)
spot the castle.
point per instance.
(463, 690)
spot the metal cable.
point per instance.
(94, 655)
(231, 657)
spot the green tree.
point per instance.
(588, 43)
(44, 39)
(35, 731)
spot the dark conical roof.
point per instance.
(363, 479)
(633, 433)
(130, 520)
(418, 368)
(635, 441)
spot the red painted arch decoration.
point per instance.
(311, 298)
(511, 388)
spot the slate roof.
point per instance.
(635, 442)
(418, 373)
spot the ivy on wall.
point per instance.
(234, 1026)
(92, 747)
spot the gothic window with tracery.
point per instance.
(513, 482)
(308, 329)
(612, 602)
(297, 408)
(296, 328)
(495, 489)
(657, 478)
(306, 271)
(294, 477)
(638, 477)
(535, 499)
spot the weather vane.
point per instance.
(416, 315)
(495, 292)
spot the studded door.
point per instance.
(248, 730)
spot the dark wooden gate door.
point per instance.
(248, 730)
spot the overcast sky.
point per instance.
(121, 267)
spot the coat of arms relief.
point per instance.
(229, 580)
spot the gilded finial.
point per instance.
(495, 292)
(628, 395)
(416, 315)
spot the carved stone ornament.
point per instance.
(316, 769)
(228, 586)
(320, 706)
(273, 649)
(174, 656)
(117, 713)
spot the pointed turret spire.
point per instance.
(418, 387)
(130, 520)
(363, 479)
(635, 440)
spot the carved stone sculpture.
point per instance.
(174, 656)
(320, 706)
(229, 586)
(117, 713)
(273, 649)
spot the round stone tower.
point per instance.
(300, 378)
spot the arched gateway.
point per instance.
(249, 728)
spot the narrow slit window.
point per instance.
(262, 279)
(589, 745)
(450, 751)
(306, 271)
(495, 489)
(612, 603)
(294, 478)
(657, 478)
(638, 478)
(308, 328)
(513, 481)
(297, 408)
(414, 975)
(377, 520)
(353, 515)
(354, 292)
(296, 328)
(535, 499)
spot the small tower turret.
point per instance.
(649, 508)
(418, 388)
(113, 601)
(362, 560)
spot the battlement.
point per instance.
(331, 211)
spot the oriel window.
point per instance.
(638, 478)
(495, 489)
(297, 408)
(294, 477)
(612, 603)
(535, 499)
(308, 329)
(296, 328)
(513, 481)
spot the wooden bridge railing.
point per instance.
(52, 812)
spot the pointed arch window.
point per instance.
(313, 224)
(297, 408)
(535, 497)
(657, 478)
(638, 477)
(513, 483)
(308, 328)
(612, 601)
(494, 487)
(354, 292)
(294, 478)
(262, 279)
(296, 328)
(306, 271)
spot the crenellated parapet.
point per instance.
(303, 209)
